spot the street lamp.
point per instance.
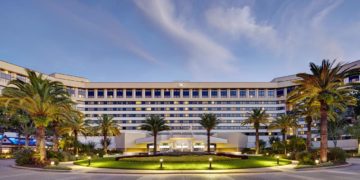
(89, 160)
(210, 161)
(277, 160)
(161, 163)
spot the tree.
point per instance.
(256, 118)
(154, 124)
(325, 85)
(284, 122)
(107, 127)
(41, 99)
(75, 126)
(209, 122)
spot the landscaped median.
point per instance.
(185, 162)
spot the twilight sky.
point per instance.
(183, 40)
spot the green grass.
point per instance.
(189, 162)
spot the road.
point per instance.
(345, 173)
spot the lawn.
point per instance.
(188, 162)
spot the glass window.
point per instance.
(119, 93)
(167, 93)
(354, 78)
(148, 93)
(205, 93)
(129, 93)
(100, 93)
(252, 93)
(157, 93)
(261, 93)
(138, 93)
(186, 93)
(110, 93)
(91, 93)
(289, 89)
(176, 93)
(195, 93)
(233, 93)
(280, 92)
(214, 93)
(81, 93)
(271, 93)
(243, 93)
(223, 92)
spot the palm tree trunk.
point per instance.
(40, 143)
(27, 140)
(284, 139)
(323, 132)
(155, 143)
(76, 144)
(105, 143)
(55, 138)
(208, 141)
(308, 133)
(257, 141)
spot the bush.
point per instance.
(67, 156)
(53, 154)
(337, 156)
(56, 161)
(24, 157)
(305, 158)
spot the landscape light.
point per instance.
(277, 160)
(210, 161)
(76, 156)
(89, 160)
(288, 154)
(52, 163)
(317, 161)
(161, 163)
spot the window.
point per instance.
(176, 93)
(195, 93)
(354, 78)
(167, 93)
(110, 93)
(233, 93)
(91, 93)
(223, 93)
(138, 93)
(243, 93)
(186, 93)
(157, 93)
(214, 93)
(289, 89)
(148, 93)
(271, 93)
(119, 93)
(261, 93)
(252, 93)
(129, 93)
(205, 93)
(81, 93)
(280, 92)
(100, 93)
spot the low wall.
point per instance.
(346, 144)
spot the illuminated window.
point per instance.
(138, 102)
(148, 109)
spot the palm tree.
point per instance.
(256, 118)
(107, 127)
(41, 99)
(209, 122)
(284, 122)
(75, 126)
(154, 124)
(325, 85)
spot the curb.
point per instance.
(40, 169)
(326, 167)
(182, 172)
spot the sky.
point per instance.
(178, 40)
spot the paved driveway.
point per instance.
(345, 173)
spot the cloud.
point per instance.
(206, 58)
(103, 24)
(239, 22)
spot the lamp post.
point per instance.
(89, 160)
(161, 163)
(277, 160)
(210, 161)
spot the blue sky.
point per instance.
(183, 40)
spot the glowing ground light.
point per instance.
(52, 163)
(210, 162)
(161, 163)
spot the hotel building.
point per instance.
(181, 104)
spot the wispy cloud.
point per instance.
(102, 23)
(239, 22)
(206, 58)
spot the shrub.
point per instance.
(56, 161)
(53, 154)
(24, 157)
(67, 156)
(305, 158)
(337, 155)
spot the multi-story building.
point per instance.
(180, 103)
